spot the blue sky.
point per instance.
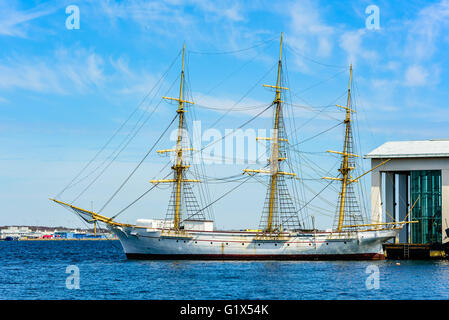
(64, 92)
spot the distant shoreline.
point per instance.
(60, 240)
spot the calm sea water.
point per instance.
(37, 270)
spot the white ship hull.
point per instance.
(152, 243)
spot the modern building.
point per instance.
(412, 186)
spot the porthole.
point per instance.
(243, 244)
(184, 241)
(258, 244)
(226, 243)
(211, 243)
(327, 243)
(275, 244)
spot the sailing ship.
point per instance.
(281, 236)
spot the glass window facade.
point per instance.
(427, 186)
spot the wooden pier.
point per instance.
(406, 251)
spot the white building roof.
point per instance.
(411, 149)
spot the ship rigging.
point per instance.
(188, 233)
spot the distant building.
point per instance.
(63, 235)
(77, 235)
(418, 173)
(14, 232)
(39, 232)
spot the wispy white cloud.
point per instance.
(157, 16)
(71, 72)
(132, 81)
(220, 9)
(352, 43)
(170, 18)
(145, 12)
(64, 72)
(416, 75)
(308, 31)
(30, 75)
(425, 32)
(16, 22)
(211, 24)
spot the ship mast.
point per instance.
(345, 168)
(346, 165)
(276, 156)
(274, 161)
(179, 166)
(348, 208)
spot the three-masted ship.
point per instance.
(281, 235)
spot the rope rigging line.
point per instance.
(156, 184)
(140, 197)
(314, 109)
(244, 96)
(234, 72)
(128, 140)
(295, 52)
(71, 183)
(137, 167)
(235, 109)
(208, 179)
(203, 190)
(233, 131)
(316, 195)
(223, 179)
(88, 228)
(235, 51)
(316, 168)
(222, 196)
(296, 163)
(322, 81)
(318, 134)
(321, 197)
(362, 185)
(145, 193)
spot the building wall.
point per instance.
(445, 204)
(402, 205)
(376, 196)
(410, 164)
(389, 185)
